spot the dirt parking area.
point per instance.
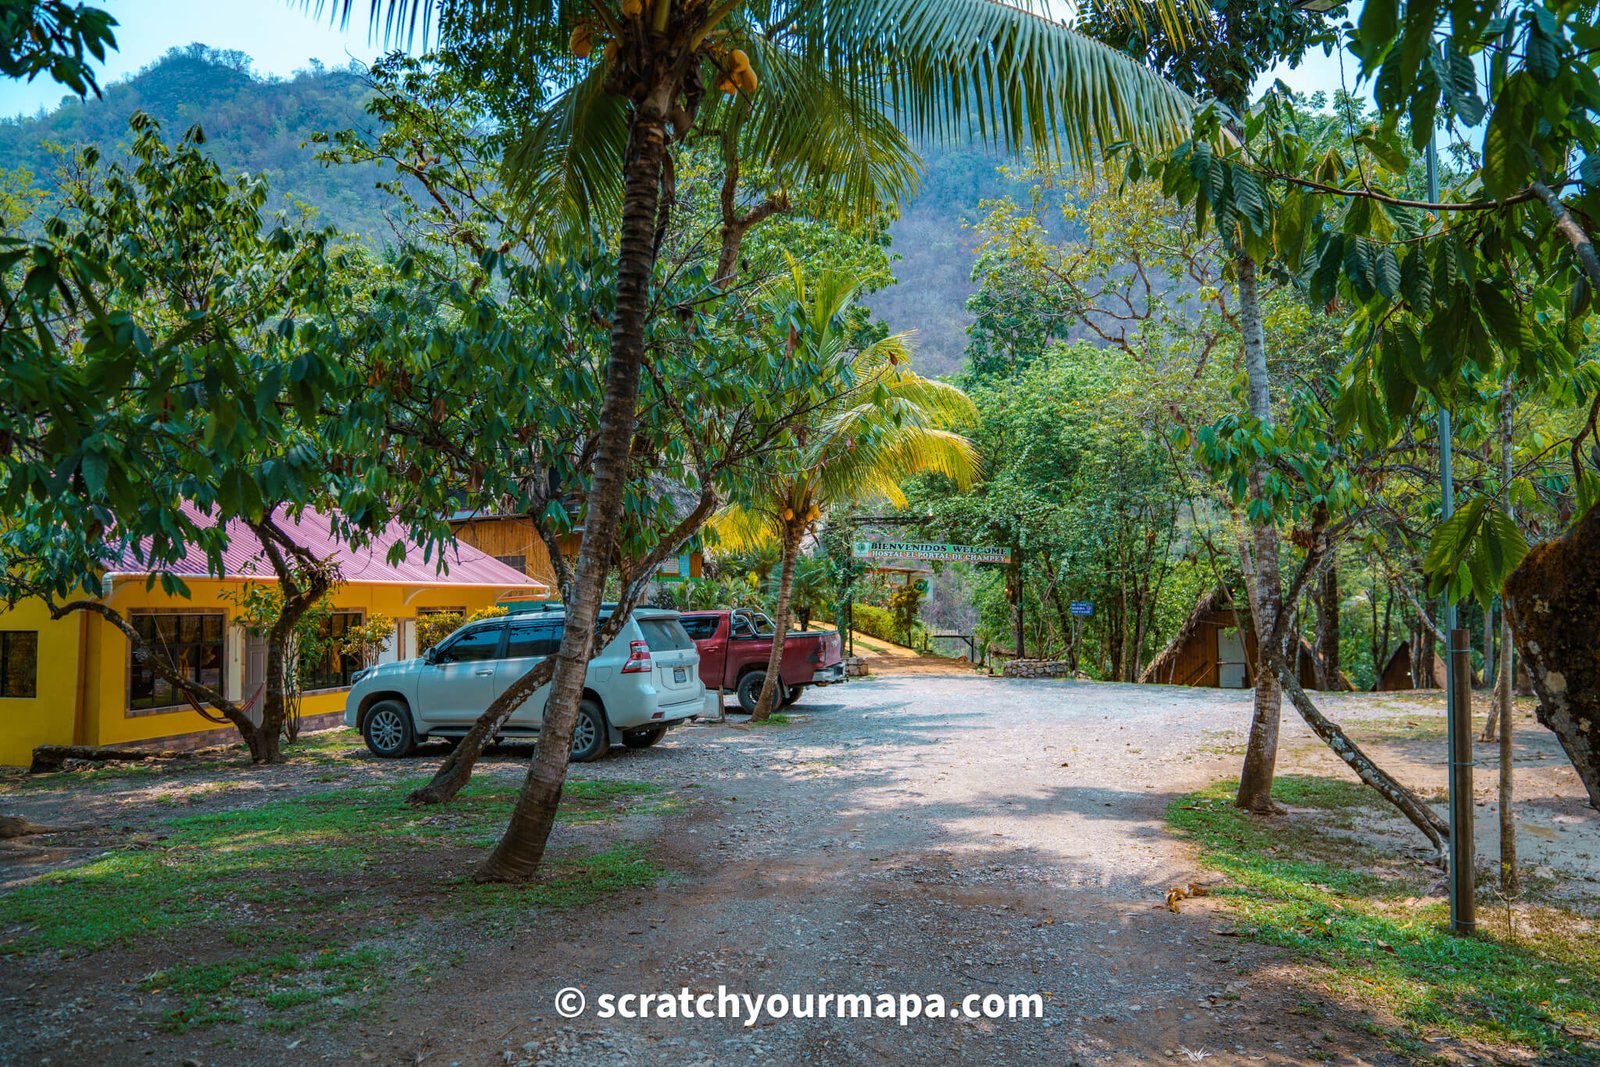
(903, 835)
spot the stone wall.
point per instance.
(855, 667)
(1039, 668)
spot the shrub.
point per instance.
(438, 625)
(880, 623)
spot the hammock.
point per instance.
(209, 716)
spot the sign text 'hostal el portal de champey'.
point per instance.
(924, 550)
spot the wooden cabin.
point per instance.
(1211, 650)
(512, 540)
(1399, 671)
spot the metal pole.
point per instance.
(1463, 905)
(1458, 698)
(1021, 600)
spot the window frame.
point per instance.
(499, 625)
(711, 622)
(556, 627)
(340, 677)
(6, 638)
(134, 617)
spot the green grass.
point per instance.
(295, 989)
(1353, 910)
(289, 855)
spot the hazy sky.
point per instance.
(282, 37)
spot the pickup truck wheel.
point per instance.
(591, 738)
(388, 731)
(791, 693)
(644, 738)
(749, 691)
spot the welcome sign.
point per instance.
(929, 551)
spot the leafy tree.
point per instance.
(1244, 41)
(827, 73)
(814, 588)
(54, 37)
(172, 380)
(714, 404)
(1496, 278)
(886, 424)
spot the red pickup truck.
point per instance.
(735, 646)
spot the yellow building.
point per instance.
(73, 681)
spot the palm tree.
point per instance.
(886, 425)
(826, 86)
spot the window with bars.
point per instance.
(192, 642)
(516, 563)
(334, 668)
(19, 663)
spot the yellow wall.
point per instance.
(50, 716)
(58, 716)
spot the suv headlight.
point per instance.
(358, 675)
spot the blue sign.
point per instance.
(1082, 607)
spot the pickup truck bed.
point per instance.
(735, 646)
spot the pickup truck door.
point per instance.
(710, 634)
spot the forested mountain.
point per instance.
(250, 122)
(935, 244)
(261, 125)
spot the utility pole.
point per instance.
(1458, 681)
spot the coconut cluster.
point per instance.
(735, 73)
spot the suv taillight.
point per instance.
(638, 658)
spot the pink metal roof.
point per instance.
(243, 558)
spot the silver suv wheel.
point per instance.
(388, 731)
(583, 735)
(591, 738)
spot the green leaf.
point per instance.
(1452, 543)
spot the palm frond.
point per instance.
(565, 166)
(1006, 74)
(737, 528)
(841, 146)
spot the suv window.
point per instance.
(530, 639)
(703, 628)
(480, 644)
(665, 635)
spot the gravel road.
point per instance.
(948, 835)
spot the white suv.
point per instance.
(642, 683)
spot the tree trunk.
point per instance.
(1264, 582)
(521, 848)
(1424, 818)
(1552, 601)
(1017, 602)
(1509, 882)
(1330, 669)
(1491, 724)
(769, 687)
(456, 770)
